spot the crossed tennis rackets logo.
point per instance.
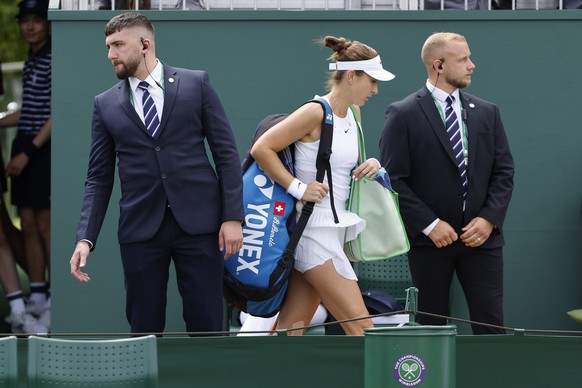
(409, 370)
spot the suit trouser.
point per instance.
(480, 273)
(199, 267)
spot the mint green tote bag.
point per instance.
(375, 201)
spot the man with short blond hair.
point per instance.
(449, 160)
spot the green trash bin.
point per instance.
(410, 356)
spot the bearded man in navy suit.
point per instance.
(453, 204)
(174, 205)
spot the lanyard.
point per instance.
(464, 140)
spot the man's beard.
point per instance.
(128, 68)
(458, 83)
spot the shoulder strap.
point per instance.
(324, 152)
(323, 165)
(322, 162)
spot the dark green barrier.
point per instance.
(503, 361)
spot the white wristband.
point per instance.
(297, 189)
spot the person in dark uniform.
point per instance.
(29, 166)
(175, 206)
(449, 160)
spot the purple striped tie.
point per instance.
(455, 136)
(150, 114)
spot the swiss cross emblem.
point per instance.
(279, 209)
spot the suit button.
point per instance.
(163, 176)
(158, 149)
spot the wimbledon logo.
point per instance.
(409, 370)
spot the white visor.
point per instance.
(372, 67)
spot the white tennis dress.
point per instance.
(322, 238)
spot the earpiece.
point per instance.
(145, 46)
(441, 64)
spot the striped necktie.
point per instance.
(454, 134)
(150, 113)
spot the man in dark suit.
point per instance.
(453, 202)
(174, 205)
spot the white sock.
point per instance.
(16, 301)
(39, 301)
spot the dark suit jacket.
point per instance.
(172, 169)
(419, 159)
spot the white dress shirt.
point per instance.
(440, 97)
(155, 80)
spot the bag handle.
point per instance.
(382, 176)
(361, 144)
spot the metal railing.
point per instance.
(307, 5)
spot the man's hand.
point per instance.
(476, 232)
(230, 238)
(443, 234)
(79, 260)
